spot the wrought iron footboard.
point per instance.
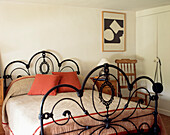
(107, 120)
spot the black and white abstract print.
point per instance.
(113, 30)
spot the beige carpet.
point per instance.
(166, 121)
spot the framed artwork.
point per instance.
(113, 31)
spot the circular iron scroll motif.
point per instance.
(41, 67)
(106, 103)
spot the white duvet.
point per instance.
(21, 111)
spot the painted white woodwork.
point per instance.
(153, 39)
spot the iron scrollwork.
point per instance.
(43, 62)
(109, 119)
(108, 102)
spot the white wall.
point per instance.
(71, 32)
(74, 32)
(153, 39)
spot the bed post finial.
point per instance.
(157, 87)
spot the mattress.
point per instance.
(20, 111)
(23, 111)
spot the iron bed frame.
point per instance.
(108, 122)
(42, 62)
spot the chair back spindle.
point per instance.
(129, 67)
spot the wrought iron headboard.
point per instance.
(43, 62)
(108, 121)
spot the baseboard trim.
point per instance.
(163, 111)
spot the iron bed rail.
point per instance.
(108, 121)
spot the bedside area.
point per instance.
(106, 89)
(1, 101)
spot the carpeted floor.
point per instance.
(166, 121)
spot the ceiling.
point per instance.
(126, 5)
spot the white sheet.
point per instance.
(23, 111)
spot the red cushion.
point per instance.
(68, 78)
(44, 83)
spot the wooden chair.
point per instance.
(129, 67)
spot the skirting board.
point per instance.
(163, 111)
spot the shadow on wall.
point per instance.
(164, 102)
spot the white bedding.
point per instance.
(23, 111)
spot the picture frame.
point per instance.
(113, 31)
